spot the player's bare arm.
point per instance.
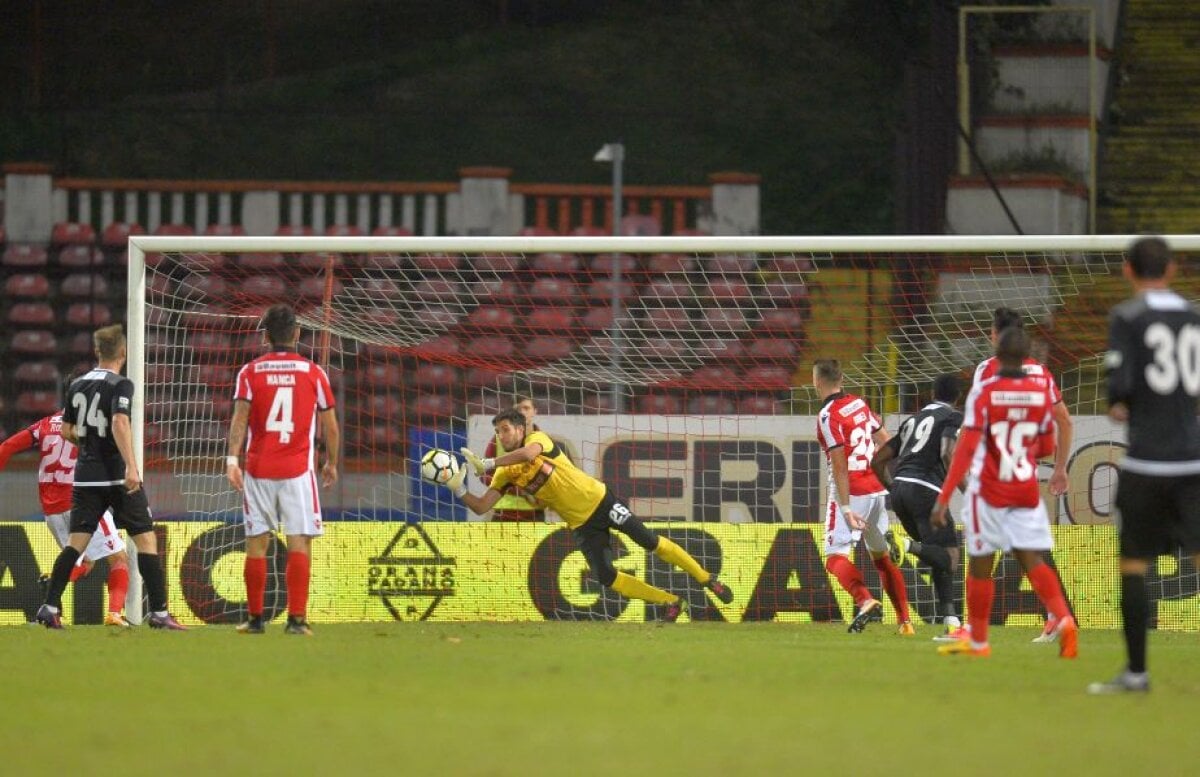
(884, 455)
(1065, 432)
(237, 442)
(69, 434)
(841, 481)
(333, 442)
(123, 436)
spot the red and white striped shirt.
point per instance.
(845, 420)
(285, 391)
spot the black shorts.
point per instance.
(131, 512)
(1159, 514)
(594, 537)
(912, 503)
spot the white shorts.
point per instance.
(105, 541)
(291, 504)
(840, 539)
(990, 529)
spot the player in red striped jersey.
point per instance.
(848, 431)
(56, 473)
(1007, 425)
(278, 399)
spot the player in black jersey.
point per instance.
(96, 419)
(1153, 366)
(921, 452)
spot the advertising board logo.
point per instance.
(411, 575)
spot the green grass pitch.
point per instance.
(581, 699)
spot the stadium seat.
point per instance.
(491, 318)
(634, 224)
(80, 346)
(597, 403)
(769, 377)
(318, 262)
(204, 262)
(262, 262)
(174, 230)
(556, 264)
(788, 265)
(725, 350)
(438, 290)
(440, 346)
(343, 230)
(84, 285)
(43, 374)
(436, 264)
(483, 376)
(88, 315)
(36, 404)
(597, 318)
(664, 349)
(714, 376)
(435, 377)
(669, 319)
(72, 232)
(786, 293)
(711, 404)
(495, 264)
(659, 404)
(671, 264)
(210, 344)
(488, 403)
(781, 320)
(158, 374)
(601, 291)
(728, 291)
(772, 349)
(24, 255)
(759, 404)
(27, 286)
(537, 232)
(668, 290)
(436, 317)
(496, 349)
(80, 256)
(36, 343)
(30, 315)
(602, 264)
(591, 232)
(691, 232)
(381, 406)
(378, 290)
(433, 406)
(212, 287)
(391, 232)
(723, 320)
(116, 235)
(294, 230)
(267, 288)
(551, 290)
(547, 348)
(733, 265)
(313, 288)
(381, 375)
(217, 377)
(225, 230)
(504, 291)
(551, 319)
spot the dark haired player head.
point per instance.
(281, 327)
(947, 388)
(1012, 347)
(1149, 258)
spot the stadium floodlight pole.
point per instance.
(614, 153)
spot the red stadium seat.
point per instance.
(668, 290)
(552, 319)
(294, 230)
(769, 377)
(659, 404)
(208, 344)
(116, 234)
(160, 374)
(556, 264)
(736, 265)
(438, 290)
(496, 264)
(391, 232)
(38, 374)
(436, 263)
(381, 407)
(691, 232)
(671, 264)
(262, 262)
(728, 291)
(547, 348)
(722, 320)
(24, 255)
(759, 404)
(27, 285)
(436, 317)
(537, 232)
(602, 264)
(552, 290)
(493, 348)
(174, 230)
(504, 291)
(31, 315)
(601, 291)
(81, 346)
(781, 320)
(80, 256)
(434, 406)
(773, 349)
(382, 375)
(639, 225)
(269, 288)
(591, 232)
(491, 318)
(440, 346)
(33, 404)
(212, 287)
(72, 232)
(319, 261)
(343, 230)
(597, 403)
(86, 285)
(711, 404)
(665, 349)
(726, 350)
(37, 342)
(786, 293)
(435, 377)
(597, 318)
(671, 319)
(314, 288)
(218, 377)
(787, 265)
(714, 376)
(376, 289)
(483, 376)
(225, 230)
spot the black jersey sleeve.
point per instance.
(953, 424)
(122, 398)
(1119, 360)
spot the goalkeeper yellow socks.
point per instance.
(632, 588)
(673, 554)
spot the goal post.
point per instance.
(684, 385)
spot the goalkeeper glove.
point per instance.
(455, 482)
(479, 465)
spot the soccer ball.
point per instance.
(438, 466)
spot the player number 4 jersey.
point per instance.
(285, 391)
(846, 421)
(1014, 416)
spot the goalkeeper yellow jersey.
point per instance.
(554, 480)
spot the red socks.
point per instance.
(79, 570)
(849, 576)
(299, 566)
(893, 585)
(255, 574)
(118, 586)
(980, 594)
(1045, 585)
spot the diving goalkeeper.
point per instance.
(537, 469)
